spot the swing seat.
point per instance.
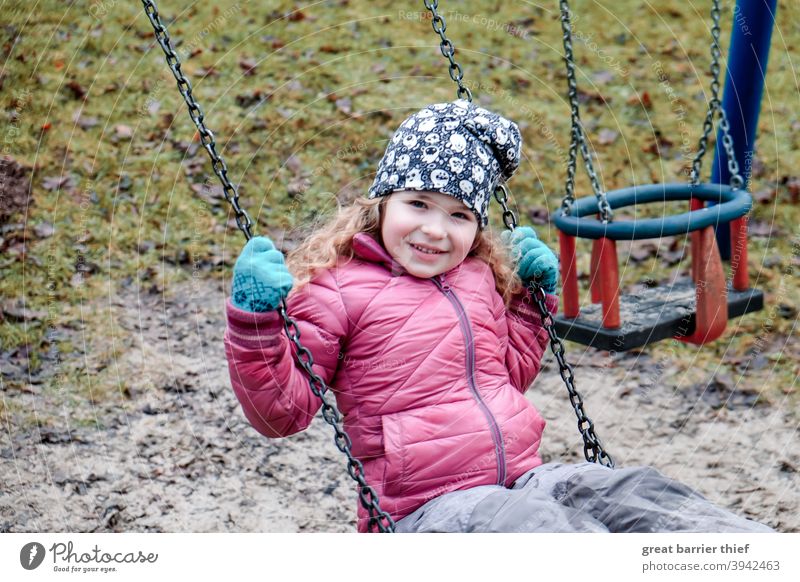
(650, 315)
(694, 310)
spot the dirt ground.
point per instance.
(173, 453)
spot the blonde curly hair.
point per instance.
(334, 239)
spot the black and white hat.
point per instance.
(454, 148)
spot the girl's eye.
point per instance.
(461, 215)
(413, 202)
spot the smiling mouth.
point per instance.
(427, 251)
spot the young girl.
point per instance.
(419, 320)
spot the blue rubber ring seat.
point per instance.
(730, 204)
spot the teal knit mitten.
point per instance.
(260, 277)
(535, 261)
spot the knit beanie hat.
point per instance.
(454, 148)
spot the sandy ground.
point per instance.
(173, 453)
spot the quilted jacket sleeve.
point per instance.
(271, 387)
(527, 338)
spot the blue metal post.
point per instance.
(753, 21)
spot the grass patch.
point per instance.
(302, 101)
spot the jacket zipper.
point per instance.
(466, 330)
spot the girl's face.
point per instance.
(428, 233)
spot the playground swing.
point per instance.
(695, 310)
(378, 519)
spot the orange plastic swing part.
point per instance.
(605, 287)
(608, 267)
(594, 275)
(569, 275)
(711, 309)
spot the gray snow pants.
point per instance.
(583, 497)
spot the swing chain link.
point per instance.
(377, 517)
(367, 495)
(243, 220)
(448, 50)
(577, 134)
(593, 450)
(501, 195)
(715, 108)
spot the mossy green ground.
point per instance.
(302, 100)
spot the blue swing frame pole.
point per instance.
(753, 22)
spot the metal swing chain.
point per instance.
(592, 448)
(369, 499)
(206, 136)
(366, 494)
(448, 50)
(578, 136)
(715, 107)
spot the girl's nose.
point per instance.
(433, 229)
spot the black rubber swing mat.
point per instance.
(649, 315)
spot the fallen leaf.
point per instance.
(793, 186)
(539, 215)
(643, 99)
(123, 131)
(298, 186)
(250, 99)
(294, 164)
(84, 122)
(78, 92)
(659, 143)
(603, 77)
(762, 229)
(125, 182)
(642, 251)
(16, 188)
(213, 194)
(84, 266)
(58, 182)
(344, 105)
(765, 196)
(17, 311)
(44, 230)
(187, 148)
(521, 83)
(194, 165)
(585, 97)
(607, 136)
(787, 311)
(294, 85)
(207, 72)
(248, 66)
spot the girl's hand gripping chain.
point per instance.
(535, 261)
(260, 277)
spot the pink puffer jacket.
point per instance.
(428, 373)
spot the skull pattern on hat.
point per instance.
(454, 148)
